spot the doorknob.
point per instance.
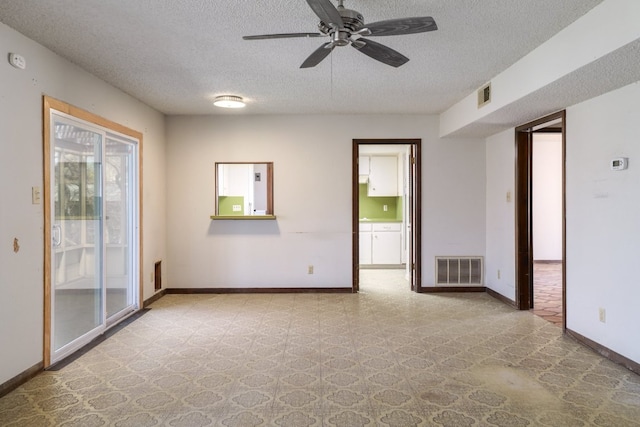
(56, 235)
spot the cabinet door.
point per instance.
(383, 176)
(365, 247)
(386, 247)
(363, 165)
(223, 181)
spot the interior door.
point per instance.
(524, 208)
(524, 246)
(411, 209)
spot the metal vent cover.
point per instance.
(484, 95)
(467, 270)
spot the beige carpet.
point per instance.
(384, 357)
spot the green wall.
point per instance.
(225, 205)
(372, 207)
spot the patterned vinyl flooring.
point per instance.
(383, 357)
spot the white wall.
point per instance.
(603, 220)
(312, 198)
(547, 196)
(21, 158)
(500, 251)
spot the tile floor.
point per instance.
(383, 357)
(547, 291)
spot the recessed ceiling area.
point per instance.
(177, 56)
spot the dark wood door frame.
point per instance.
(524, 208)
(415, 212)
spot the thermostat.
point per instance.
(619, 163)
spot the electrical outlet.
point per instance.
(237, 208)
(385, 208)
(498, 274)
(152, 277)
(602, 314)
(310, 270)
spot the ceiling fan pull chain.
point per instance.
(331, 77)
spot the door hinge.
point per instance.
(413, 160)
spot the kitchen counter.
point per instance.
(379, 220)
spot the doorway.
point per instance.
(540, 218)
(386, 209)
(92, 227)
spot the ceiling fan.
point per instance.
(345, 26)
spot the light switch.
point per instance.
(35, 195)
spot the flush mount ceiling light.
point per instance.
(229, 101)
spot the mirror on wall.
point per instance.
(244, 190)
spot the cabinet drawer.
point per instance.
(387, 226)
(365, 227)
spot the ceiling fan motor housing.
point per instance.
(351, 19)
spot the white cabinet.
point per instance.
(234, 179)
(381, 243)
(365, 243)
(386, 243)
(383, 176)
(363, 165)
(363, 169)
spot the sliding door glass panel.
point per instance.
(119, 225)
(77, 294)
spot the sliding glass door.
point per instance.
(93, 217)
(119, 230)
(76, 233)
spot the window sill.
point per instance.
(244, 217)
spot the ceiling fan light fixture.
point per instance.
(229, 101)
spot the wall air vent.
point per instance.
(466, 270)
(484, 95)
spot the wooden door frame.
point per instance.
(524, 211)
(415, 212)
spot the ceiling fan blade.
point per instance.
(395, 27)
(327, 12)
(282, 36)
(381, 53)
(318, 55)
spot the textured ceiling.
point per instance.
(177, 55)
